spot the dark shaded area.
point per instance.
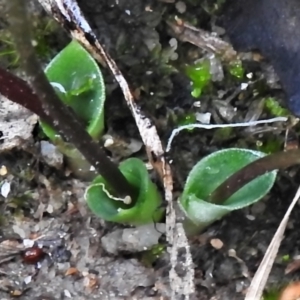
(272, 27)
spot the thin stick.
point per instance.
(261, 166)
(262, 274)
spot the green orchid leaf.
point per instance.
(276, 161)
(78, 81)
(146, 208)
(210, 173)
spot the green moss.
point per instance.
(187, 119)
(7, 49)
(271, 145)
(150, 256)
(285, 258)
(272, 293)
(42, 31)
(272, 105)
(199, 74)
(236, 69)
(20, 202)
(223, 134)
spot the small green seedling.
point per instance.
(200, 76)
(275, 108)
(150, 256)
(187, 119)
(285, 258)
(145, 208)
(230, 179)
(198, 200)
(78, 81)
(236, 69)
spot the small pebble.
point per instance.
(5, 189)
(173, 43)
(181, 7)
(203, 118)
(3, 170)
(217, 243)
(67, 294)
(51, 155)
(244, 86)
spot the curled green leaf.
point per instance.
(145, 208)
(78, 81)
(210, 173)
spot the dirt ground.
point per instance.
(48, 202)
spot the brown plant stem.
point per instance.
(269, 163)
(17, 90)
(63, 119)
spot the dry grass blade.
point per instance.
(261, 276)
(185, 32)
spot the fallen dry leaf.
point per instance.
(291, 292)
(71, 271)
(292, 266)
